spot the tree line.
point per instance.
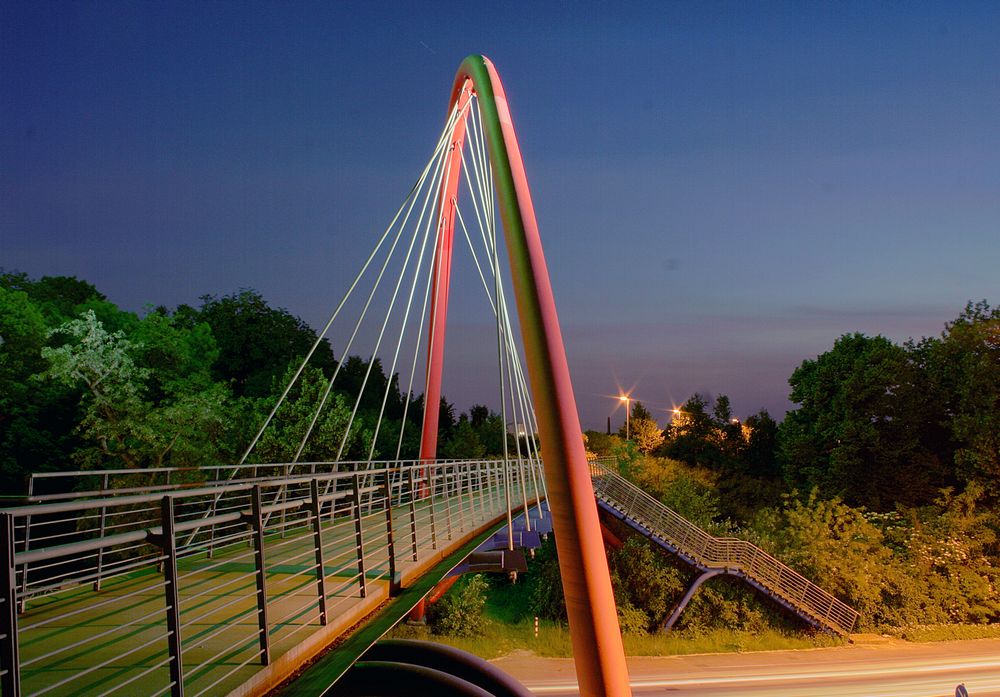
(881, 485)
(85, 384)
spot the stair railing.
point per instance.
(732, 554)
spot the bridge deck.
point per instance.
(76, 641)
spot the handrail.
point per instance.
(210, 475)
(297, 552)
(734, 555)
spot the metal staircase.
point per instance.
(718, 555)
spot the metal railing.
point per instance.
(190, 590)
(722, 552)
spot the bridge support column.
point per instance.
(695, 585)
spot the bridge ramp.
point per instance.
(679, 536)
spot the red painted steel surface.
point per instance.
(442, 283)
(597, 645)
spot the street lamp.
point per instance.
(625, 398)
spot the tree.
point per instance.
(644, 581)
(639, 411)
(284, 435)
(834, 546)
(58, 297)
(647, 434)
(256, 342)
(963, 371)
(121, 424)
(857, 432)
(36, 419)
(760, 457)
(464, 443)
(643, 429)
(693, 436)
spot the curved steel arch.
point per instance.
(597, 643)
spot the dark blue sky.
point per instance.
(722, 188)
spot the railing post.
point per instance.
(359, 540)
(257, 525)
(22, 604)
(479, 486)
(101, 528)
(413, 512)
(172, 596)
(447, 497)
(10, 659)
(829, 609)
(318, 548)
(430, 476)
(463, 504)
(393, 588)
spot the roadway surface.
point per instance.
(882, 669)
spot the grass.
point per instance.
(508, 627)
(499, 639)
(507, 630)
(722, 641)
(949, 632)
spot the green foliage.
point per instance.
(464, 442)
(963, 372)
(726, 603)
(122, 424)
(58, 298)
(600, 443)
(544, 584)
(256, 342)
(460, 611)
(646, 586)
(690, 491)
(836, 547)
(281, 441)
(647, 434)
(36, 419)
(951, 546)
(631, 620)
(480, 433)
(702, 439)
(857, 433)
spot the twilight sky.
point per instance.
(722, 188)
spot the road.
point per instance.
(875, 668)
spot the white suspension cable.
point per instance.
(413, 190)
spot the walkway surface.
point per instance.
(81, 642)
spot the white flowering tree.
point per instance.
(122, 424)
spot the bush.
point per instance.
(460, 611)
(545, 582)
(631, 619)
(645, 584)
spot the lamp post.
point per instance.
(625, 398)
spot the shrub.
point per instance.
(545, 582)
(460, 611)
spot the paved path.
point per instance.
(883, 669)
(78, 642)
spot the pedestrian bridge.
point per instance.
(230, 584)
(223, 580)
(227, 586)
